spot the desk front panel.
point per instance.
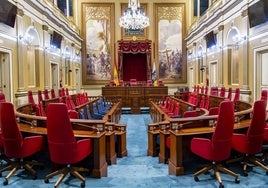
(135, 96)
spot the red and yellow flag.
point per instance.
(116, 80)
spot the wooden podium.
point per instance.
(135, 97)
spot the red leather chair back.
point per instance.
(237, 95)
(255, 131)
(46, 96)
(222, 136)
(214, 91)
(61, 140)
(12, 138)
(39, 110)
(190, 114)
(63, 92)
(30, 98)
(229, 95)
(39, 95)
(264, 95)
(207, 103)
(206, 90)
(60, 93)
(2, 97)
(202, 102)
(202, 90)
(213, 111)
(67, 92)
(176, 110)
(53, 93)
(78, 99)
(121, 83)
(133, 82)
(222, 92)
(160, 83)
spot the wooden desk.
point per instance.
(180, 144)
(99, 158)
(134, 96)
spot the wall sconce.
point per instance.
(203, 68)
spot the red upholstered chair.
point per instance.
(237, 95)
(160, 82)
(218, 148)
(60, 92)
(206, 90)
(251, 143)
(207, 103)
(192, 113)
(39, 96)
(264, 95)
(197, 89)
(194, 90)
(213, 111)
(30, 98)
(78, 99)
(67, 92)
(222, 92)
(229, 95)
(133, 82)
(175, 112)
(149, 83)
(112, 83)
(121, 83)
(165, 103)
(15, 146)
(69, 103)
(2, 97)
(53, 95)
(202, 90)
(39, 110)
(46, 96)
(63, 147)
(171, 106)
(63, 92)
(202, 101)
(214, 91)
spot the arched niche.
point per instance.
(134, 60)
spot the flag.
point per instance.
(116, 80)
(153, 74)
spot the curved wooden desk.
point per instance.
(182, 130)
(98, 138)
(180, 143)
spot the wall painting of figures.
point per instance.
(98, 40)
(170, 45)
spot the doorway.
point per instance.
(261, 67)
(5, 74)
(55, 76)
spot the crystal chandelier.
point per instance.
(134, 16)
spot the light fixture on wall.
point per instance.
(134, 16)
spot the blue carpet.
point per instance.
(140, 171)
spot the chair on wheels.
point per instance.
(218, 148)
(251, 143)
(15, 146)
(63, 147)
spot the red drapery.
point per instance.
(134, 60)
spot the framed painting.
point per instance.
(134, 34)
(97, 31)
(170, 47)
